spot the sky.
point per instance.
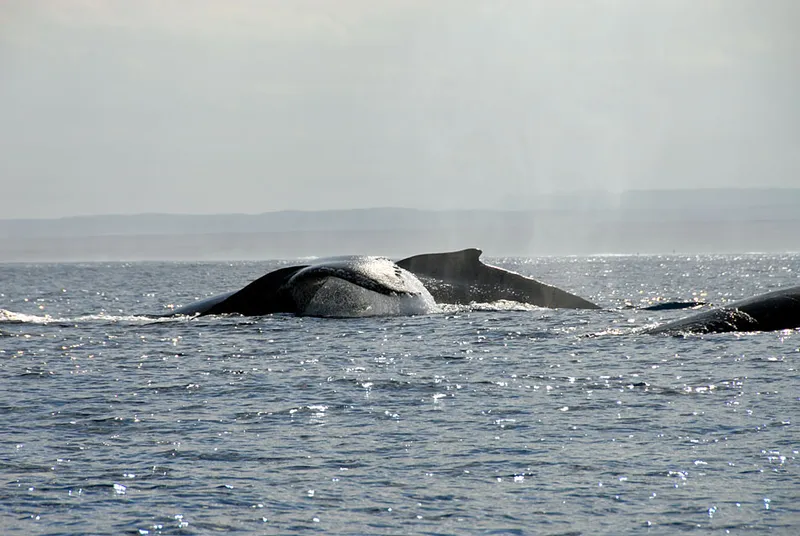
(120, 107)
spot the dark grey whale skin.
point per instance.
(773, 311)
(457, 277)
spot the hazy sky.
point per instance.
(203, 106)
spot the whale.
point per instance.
(773, 311)
(460, 277)
(365, 286)
(343, 286)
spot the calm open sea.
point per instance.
(488, 420)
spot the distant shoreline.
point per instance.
(645, 222)
(606, 239)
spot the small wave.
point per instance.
(496, 306)
(10, 317)
(137, 319)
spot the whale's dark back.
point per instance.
(263, 296)
(460, 277)
(773, 311)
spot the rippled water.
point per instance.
(495, 419)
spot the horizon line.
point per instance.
(580, 193)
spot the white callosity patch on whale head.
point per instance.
(360, 286)
(340, 298)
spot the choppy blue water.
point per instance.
(486, 420)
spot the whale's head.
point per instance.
(357, 287)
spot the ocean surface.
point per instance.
(491, 419)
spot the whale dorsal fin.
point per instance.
(449, 264)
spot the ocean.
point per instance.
(489, 419)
